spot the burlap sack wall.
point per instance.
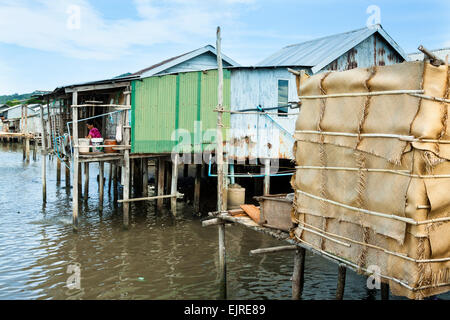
(339, 200)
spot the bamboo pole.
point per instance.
(76, 167)
(298, 276)
(177, 195)
(342, 270)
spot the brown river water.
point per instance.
(159, 257)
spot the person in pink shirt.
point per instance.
(93, 131)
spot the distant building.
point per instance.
(440, 53)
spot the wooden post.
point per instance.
(126, 157)
(266, 177)
(43, 160)
(384, 291)
(222, 262)
(173, 185)
(27, 139)
(198, 178)
(298, 277)
(76, 167)
(145, 177)
(35, 150)
(341, 282)
(86, 181)
(185, 171)
(67, 176)
(80, 182)
(58, 171)
(116, 182)
(221, 204)
(101, 186)
(110, 177)
(161, 171)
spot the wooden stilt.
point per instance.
(222, 262)
(173, 185)
(161, 170)
(44, 161)
(35, 150)
(101, 186)
(76, 167)
(27, 149)
(58, 171)
(67, 177)
(384, 291)
(185, 171)
(116, 182)
(341, 282)
(266, 176)
(86, 181)
(110, 177)
(298, 277)
(198, 178)
(126, 168)
(80, 182)
(168, 178)
(145, 177)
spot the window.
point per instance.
(283, 98)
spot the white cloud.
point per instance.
(43, 24)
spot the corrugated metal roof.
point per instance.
(440, 53)
(320, 52)
(166, 64)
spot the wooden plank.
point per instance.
(252, 211)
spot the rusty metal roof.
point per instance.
(320, 52)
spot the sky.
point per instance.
(45, 44)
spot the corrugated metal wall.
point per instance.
(162, 104)
(374, 51)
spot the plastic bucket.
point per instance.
(110, 142)
(96, 142)
(84, 144)
(236, 196)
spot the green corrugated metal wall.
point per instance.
(163, 103)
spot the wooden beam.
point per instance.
(98, 87)
(273, 249)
